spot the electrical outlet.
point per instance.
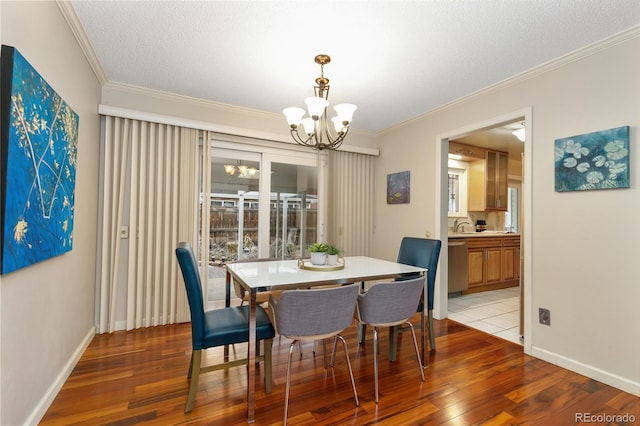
(544, 316)
(427, 234)
(124, 232)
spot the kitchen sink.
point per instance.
(478, 234)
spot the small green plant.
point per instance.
(318, 248)
(333, 249)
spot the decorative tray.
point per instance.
(306, 264)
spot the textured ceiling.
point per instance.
(394, 59)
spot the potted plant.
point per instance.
(318, 253)
(333, 252)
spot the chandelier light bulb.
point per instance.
(294, 115)
(338, 124)
(308, 125)
(345, 111)
(230, 169)
(316, 106)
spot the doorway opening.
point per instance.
(509, 217)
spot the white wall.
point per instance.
(47, 309)
(584, 244)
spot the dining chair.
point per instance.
(389, 305)
(424, 253)
(314, 314)
(218, 327)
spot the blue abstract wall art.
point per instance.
(598, 160)
(37, 166)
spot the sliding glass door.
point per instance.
(234, 206)
(293, 210)
(262, 204)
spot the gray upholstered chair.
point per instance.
(314, 314)
(388, 305)
(218, 327)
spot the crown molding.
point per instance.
(79, 33)
(576, 55)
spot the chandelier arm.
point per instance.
(296, 137)
(331, 138)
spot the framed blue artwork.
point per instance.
(399, 188)
(38, 146)
(598, 160)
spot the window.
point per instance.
(511, 217)
(457, 184)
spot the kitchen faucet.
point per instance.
(458, 222)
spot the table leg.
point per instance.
(251, 359)
(227, 303)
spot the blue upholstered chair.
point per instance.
(424, 253)
(314, 314)
(389, 305)
(218, 327)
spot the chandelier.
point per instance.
(243, 171)
(316, 132)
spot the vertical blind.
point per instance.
(150, 187)
(350, 198)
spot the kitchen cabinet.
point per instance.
(492, 263)
(488, 182)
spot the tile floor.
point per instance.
(495, 312)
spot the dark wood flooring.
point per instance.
(139, 377)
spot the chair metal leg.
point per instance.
(432, 337)
(395, 331)
(346, 355)
(375, 361)
(362, 333)
(393, 342)
(324, 352)
(196, 358)
(415, 345)
(268, 379)
(333, 352)
(288, 384)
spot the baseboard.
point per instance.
(588, 371)
(43, 405)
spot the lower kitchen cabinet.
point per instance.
(493, 263)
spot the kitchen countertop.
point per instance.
(482, 234)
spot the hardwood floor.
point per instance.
(139, 377)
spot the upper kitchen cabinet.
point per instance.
(488, 182)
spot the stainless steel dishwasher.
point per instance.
(458, 265)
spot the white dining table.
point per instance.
(287, 274)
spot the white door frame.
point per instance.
(441, 206)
